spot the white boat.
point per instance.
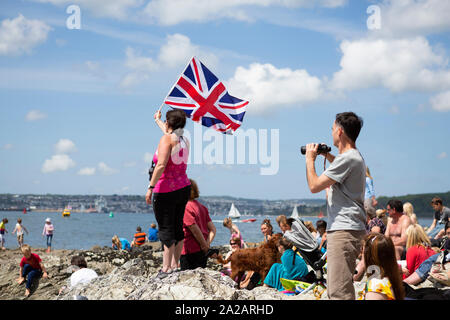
(294, 213)
(234, 213)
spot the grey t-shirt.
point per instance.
(345, 202)
(442, 217)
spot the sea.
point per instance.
(82, 231)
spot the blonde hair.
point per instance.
(368, 173)
(381, 214)
(416, 236)
(281, 219)
(309, 225)
(409, 210)
(25, 248)
(227, 222)
(116, 241)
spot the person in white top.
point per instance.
(19, 230)
(81, 273)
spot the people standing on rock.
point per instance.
(120, 243)
(199, 232)
(139, 238)
(170, 187)
(48, 232)
(344, 181)
(19, 229)
(370, 202)
(152, 233)
(81, 273)
(234, 230)
(31, 268)
(3, 231)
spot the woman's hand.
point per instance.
(157, 115)
(148, 196)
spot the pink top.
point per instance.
(174, 176)
(48, 229)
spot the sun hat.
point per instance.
(48, 220)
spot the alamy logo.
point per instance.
(74, 20)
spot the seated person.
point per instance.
(81, 273)
(120, 243)
(396, 227)
(374, 224)
(421, 273)
(418, 249)
(321, 226)
(152, 233)
(292, 266)
(31, 267)
(139, 238)
(235, 244)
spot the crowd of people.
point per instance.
(359, 238)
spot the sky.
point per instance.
(81, 80)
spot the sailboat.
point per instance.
(234, 213)
(295, 212)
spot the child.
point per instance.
(48, 231)
(234, 230)
(321, 226)
(31, 267)
(120, 243)
(139, 238)
(152, 233)
(2, 232)
(19, 229)
(384, 279)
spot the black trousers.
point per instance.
(169, 212)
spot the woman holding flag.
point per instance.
(170, 187)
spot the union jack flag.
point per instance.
(204, 98)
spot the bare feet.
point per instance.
(20, 280)
(27, 292)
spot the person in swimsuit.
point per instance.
(396, 228)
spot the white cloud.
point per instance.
(175, 52)
(396, 64)
(21, 35)
(170, 12)
(266, 86)
(414, 17)
(65, 146)
(35, 115)
(87, 171)
(441, 102)
(129, 164)
(8, 146)
(58, 162)
(105, 169)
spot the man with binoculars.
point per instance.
(344, 180)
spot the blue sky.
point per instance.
(76, 105)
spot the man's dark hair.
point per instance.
(396, 204)
(436, 200)
(176, 119)
(78, 261)
(138, 229)
(351, 124)
(321, 224)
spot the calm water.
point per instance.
(84, 230)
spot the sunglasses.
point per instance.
(232, 243)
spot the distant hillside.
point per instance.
(421, 202)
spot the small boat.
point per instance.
(66, 213)
(320, 215)
(111, 214)
(24, 210)
(234, 213)
(249, 220)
